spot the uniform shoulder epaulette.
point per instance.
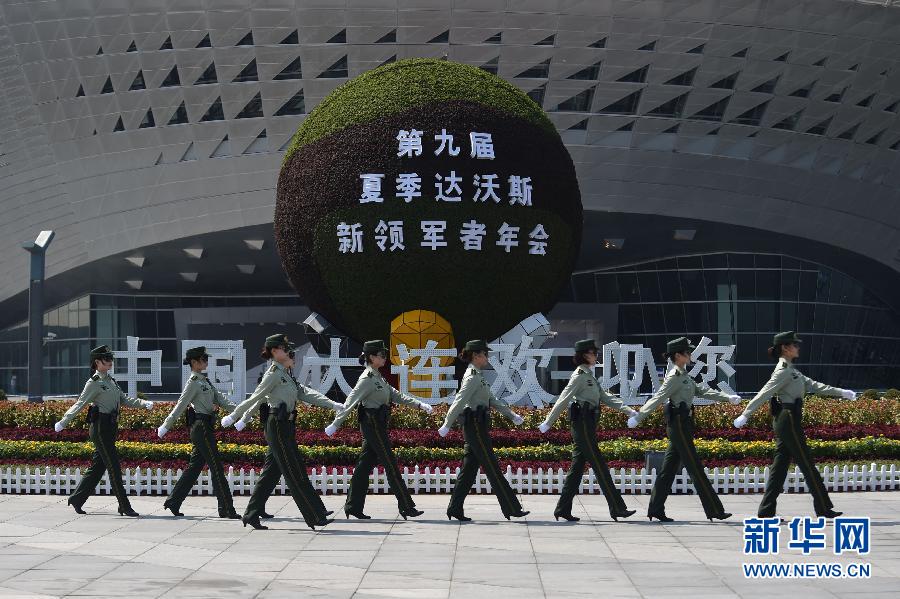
(194, 377)
(273, 368)
(369, 374)
(95, 377)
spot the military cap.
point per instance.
(586, 345)
(680, 345)
(279, 340)
(195, 353)
(475, 345)
(786, 338)
(103, 352)
(375, 346)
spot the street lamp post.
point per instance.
(37, 249)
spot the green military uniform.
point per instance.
(200, 399)
(785, 391)
(372, 397)
(282, 393)
(679, 390)
(473, 402)
(104, 396)
(583, 396)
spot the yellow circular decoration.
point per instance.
(415, 328)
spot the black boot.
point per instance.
(567, 517)
(128, 511)
(172, 509)
(722, 516)
(254, 522)
(519, 514)
(411, 513)
(623, 514)
(266, 516)
(77, 507)
(458, 515)
(230, 515)
(660, 517)
(357, 514)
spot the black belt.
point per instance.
(671, 410)
(578, 410)
(479, 414)
(281, 413)
(776, 405)
(94, 414)
(205, 417)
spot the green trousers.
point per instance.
(681, 450)
(205, 452)
(790, 443)
(287, 461)
(105, 458)
(376, 449)
(480, 452)
(583, 423)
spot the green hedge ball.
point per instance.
(482, 293)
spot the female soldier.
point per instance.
(372, 396)
(199, 398)
(474, 401)
(680, 390)
(785, 391)
(585, 395)
(281, 392)
(105, 396)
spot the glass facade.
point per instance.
(851, 338)
(71, 330)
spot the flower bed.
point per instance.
(816, 412)
(618, 449)
(431, 438)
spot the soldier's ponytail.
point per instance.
(775, 352)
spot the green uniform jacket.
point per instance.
(372, 391)
(681, 390)
(474, 393)
(584, 389)
(789, 385)
(201, 394)
(278, 387)
(102, 391)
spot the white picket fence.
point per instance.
(335, 481)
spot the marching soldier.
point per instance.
(104, 396)
(281, 393)
(583, 397)
(678, 390)
(785, 391)
(198, 401)
(372, 397)
(474, 401)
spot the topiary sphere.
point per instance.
(354, 131)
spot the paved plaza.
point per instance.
(46, 550)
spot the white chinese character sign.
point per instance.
(227, 368)
(135, 371)
(446, 190)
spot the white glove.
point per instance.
(632, 422)
(740, 421)
(161, 431)
(330, 429)
(425, 407)
(148, 405)
(58, 426)
(337, 407)
(517, 420)
(240, 424)
(632, 413)
(544, 427)
(227, 421)
(443, 430)
(848, 394)
(734, 399)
